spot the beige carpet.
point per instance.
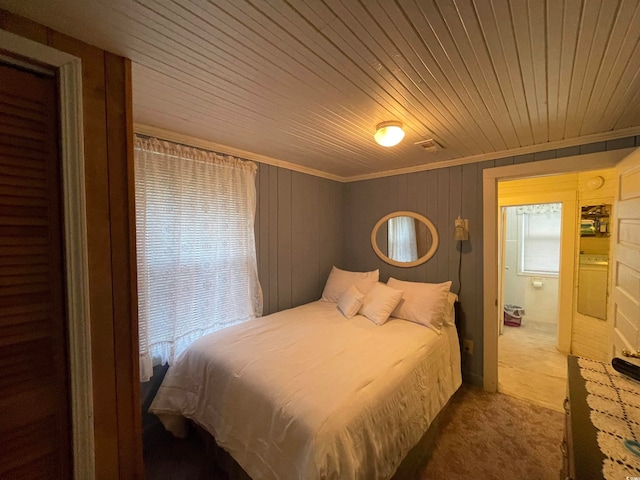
(529, 365)
(494, 436)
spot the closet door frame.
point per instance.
(69, 71)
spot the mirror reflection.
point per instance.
(404, 239)
(593, 269)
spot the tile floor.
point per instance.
(530, 367)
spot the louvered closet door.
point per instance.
(34, 401)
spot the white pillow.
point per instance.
(350, 302)
(449, 316)
(380, 302)
(424, 303)
(339, 282)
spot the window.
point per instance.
(540, 228)
(197, 269)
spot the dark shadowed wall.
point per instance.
(299, 235)
(441, 195)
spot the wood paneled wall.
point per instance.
(299, 235)
(441, 195)
(106, 84)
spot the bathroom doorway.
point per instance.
(530, 366)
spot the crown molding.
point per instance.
(543, 147)
(217, 147)
(170, 136)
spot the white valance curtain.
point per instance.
(403, 245)
(539, 208)
(197, 268)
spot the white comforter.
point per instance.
(308, 394)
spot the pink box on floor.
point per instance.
(513, 315)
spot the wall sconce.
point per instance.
(461, 231)
(389, 133)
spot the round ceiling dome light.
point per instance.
(389, 134)
(594, 183)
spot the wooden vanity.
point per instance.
(601, 427)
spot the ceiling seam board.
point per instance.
(306, 81)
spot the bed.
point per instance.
(307, 393)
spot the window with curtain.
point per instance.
(197, 268)
(540, 229)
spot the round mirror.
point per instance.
(404, 239)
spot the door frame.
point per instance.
(569, 201)
(502, 254)
(69, 70)
(490, 179)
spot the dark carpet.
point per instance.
(480, 436)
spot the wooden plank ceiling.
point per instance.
(306, 81)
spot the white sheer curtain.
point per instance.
(197, 268)
(402, 239)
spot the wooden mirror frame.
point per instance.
(430, 226)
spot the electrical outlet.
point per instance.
(467, 346)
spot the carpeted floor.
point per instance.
(481, 436)
(493, 436)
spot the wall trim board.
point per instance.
(491, 177)
(219, 148)
(123, 258)
(76, 247)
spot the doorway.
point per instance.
(492, 177)
(530, 367)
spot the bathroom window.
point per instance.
(539, 232)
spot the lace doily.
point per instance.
(614, 401)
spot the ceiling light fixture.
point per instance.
(389, 133)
